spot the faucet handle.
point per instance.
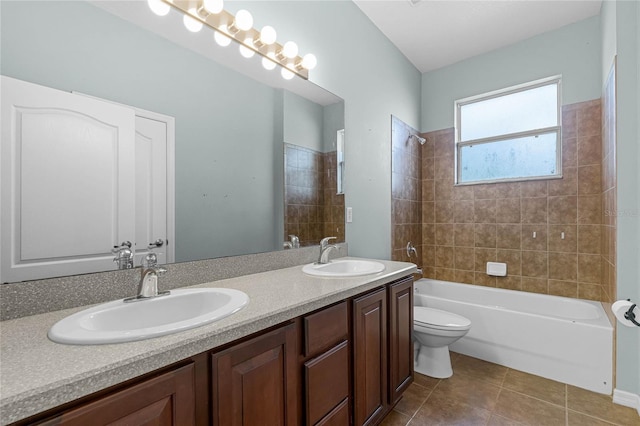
(325, 241)
(150, 260)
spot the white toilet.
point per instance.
(434, 330)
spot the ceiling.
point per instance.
(435, 33)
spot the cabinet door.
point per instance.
(370, 357)
(400, 344)
(255, 383)
(67, 172)
(168, 399)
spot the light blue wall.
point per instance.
(627, 44)
(303, 122)
(573, 51)
(333, 121)
(359, 64)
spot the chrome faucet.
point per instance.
(293, 243)
(325, 249)
(148, 285)
(124, 255)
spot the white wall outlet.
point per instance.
(349, 214)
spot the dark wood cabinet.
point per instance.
(346, 364)
(400, 343)
(254, 382)
(168, 399)
(370, 357)
(382, 350)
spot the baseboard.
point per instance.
(627, 399)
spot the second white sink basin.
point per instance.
(343, 268)
(117, 322)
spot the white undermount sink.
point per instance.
(343, 268)
(118, 322)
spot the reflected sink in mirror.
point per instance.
(343, 268)
(118, 322)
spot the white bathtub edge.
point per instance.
(627, 399)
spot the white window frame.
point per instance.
(499, 93)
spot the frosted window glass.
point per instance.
(529, 156)
(530, 109)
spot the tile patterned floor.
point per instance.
(482, 393)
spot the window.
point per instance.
(511, 134)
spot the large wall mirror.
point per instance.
(231, 130)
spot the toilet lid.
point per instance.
(439, 319)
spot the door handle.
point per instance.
(158, 243)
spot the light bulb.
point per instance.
(220, 37)
(286, 73)
(290, 50)
(213, 6)
(244, 50)
(267, 64)
(309, 61)
(159, 7)
(191, 23)
(243, 20)
(268, 35)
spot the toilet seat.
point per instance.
(437, 319)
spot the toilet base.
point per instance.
(434, 362)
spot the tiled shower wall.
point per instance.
(406, 193)
(463, 227)
(466, 226)
(313, 210)
(609, 204)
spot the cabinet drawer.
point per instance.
(339, 416)
(325, 328)
(326, 381)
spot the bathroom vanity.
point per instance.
(305, 350)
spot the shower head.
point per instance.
(418, 139)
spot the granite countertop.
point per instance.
(37, 374)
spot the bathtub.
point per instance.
(563, 339)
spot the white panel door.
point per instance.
(151, 188)
(67, 189)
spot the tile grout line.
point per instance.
(423, 402)
(566, 405)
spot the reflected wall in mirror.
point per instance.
(229, 129)
(313, 207)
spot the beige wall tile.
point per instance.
(567, 185)
(465, 258)
(535, 285)
(444, 168)
(444, 257)
(428, 234)
(589, 239)
(482, 256)
(444, 211)
(444, 189)
(485, 235)
(463, 192)
(539, 243)
(563, 266)
(508, 190)
(563, 288)
(464, 234)
(428, 212)
(569, 152)
(463, 211)
(569, 123)
(570, 241)
(484, 211)
(589, 268)
(534, 210)
(508, 210)
(428, 190)
(445, 274)
(484, 192)
(590, 150)
(589, 180)
(591, 291)
(590, 209)
(464, 277)
(533, 188)
(535, 264)
(444, 234)
(513, 259)
(481, 278)
(563, 210)
(508, 236)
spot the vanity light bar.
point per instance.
(226, 25)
